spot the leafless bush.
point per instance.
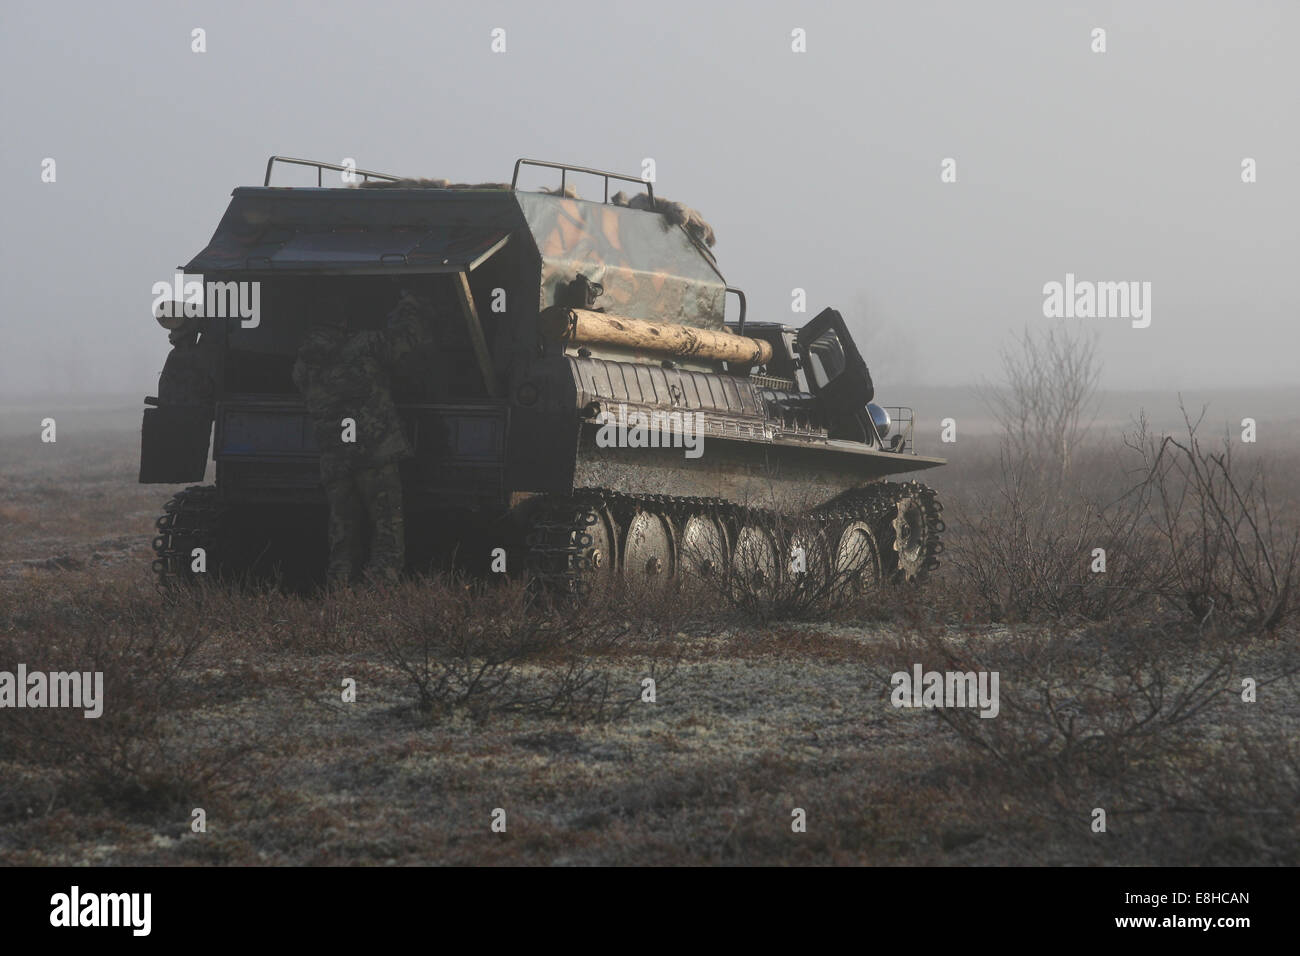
(1225, 550)
(501, 648)
(1191, 530)
(1031, 548)
(144, 752)
(1049, 399)
(1143, 721)
(1098, 698)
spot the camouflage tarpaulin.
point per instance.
(649, 267)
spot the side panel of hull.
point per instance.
(787, 477)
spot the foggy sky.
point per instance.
(817, 170)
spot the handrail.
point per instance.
(906, 425)
(320, 167)
(565, 169)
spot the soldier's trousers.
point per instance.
(368, 493)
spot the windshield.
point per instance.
(826, 358)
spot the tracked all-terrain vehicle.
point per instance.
(586, 406)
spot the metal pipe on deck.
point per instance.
(584, 327)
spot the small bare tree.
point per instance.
(1227, 550)
(1049, 400)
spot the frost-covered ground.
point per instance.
(234, 705)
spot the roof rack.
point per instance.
(320, 167)
(565, 169)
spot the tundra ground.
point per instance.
(467, 703)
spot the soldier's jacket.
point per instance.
(187, 375)
(344, 374)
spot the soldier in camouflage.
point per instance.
(345, 378)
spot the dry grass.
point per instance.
(472, 697)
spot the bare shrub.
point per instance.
(1225, 549)
(1049, 399)
(1098, 698)
(147, 751)
(1030, 548)
(1140, 720)
(504, 647)
(1190, 530)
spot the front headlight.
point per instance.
(880, 418)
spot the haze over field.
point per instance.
(819, 170)
(1276, 410)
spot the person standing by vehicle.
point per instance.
(345, 377)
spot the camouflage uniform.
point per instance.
(347, 375)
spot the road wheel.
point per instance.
(649, 555)
(704, 551)
(857, 562)
(755, 567)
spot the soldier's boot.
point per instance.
(381, 490)
(345, 529)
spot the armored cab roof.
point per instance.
(348, 231)
(650, 268)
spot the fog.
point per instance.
(818, 170)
